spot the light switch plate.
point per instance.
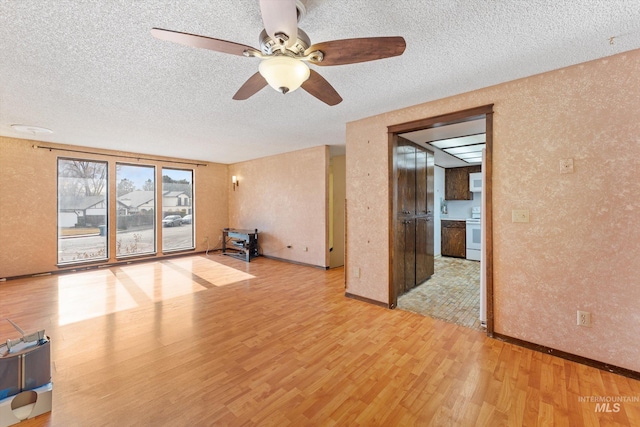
(520, 215)
(356, 272)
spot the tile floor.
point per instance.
(452, 294)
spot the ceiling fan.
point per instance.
(285, 49)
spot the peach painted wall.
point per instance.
(286, 198)
(580, 249)
(28, 203)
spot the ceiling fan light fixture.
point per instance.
(283, 73)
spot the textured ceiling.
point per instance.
(92, 72)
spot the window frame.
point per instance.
(189, 209)
(107, 206)
(154, 251)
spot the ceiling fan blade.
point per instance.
(280, 16)
(250, 87)
(352, 51)
(317, 86)
(203, 42)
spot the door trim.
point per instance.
(436, 121)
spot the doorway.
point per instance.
(458, 269)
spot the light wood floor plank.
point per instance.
(210, 340)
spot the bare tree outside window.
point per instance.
(82, 211)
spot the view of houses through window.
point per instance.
(84, 225)
(177, 209)
(82, 211)
(136, 211)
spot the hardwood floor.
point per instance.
(216, 341)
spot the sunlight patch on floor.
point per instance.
(213, 272)
(80, 299)
(83, 296)
(160, 282)
(118, 289)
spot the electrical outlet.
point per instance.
(520, 215)
(566, 165)
(305, 249)
(220, 238)
(584, 318)
(356, 272)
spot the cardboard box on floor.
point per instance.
(25, 377)
(25, 405)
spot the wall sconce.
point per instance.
(235, 182)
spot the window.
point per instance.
(136, 207)
(82, 211)
(177, 219)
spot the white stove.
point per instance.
(474, 235)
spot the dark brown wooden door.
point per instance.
(422, 258)
(413, 248)
(410, 254)
(430, 213)
(404, 245)
(421, 182)
(454, 239)
(398, 261)
(404, 261)
(406, 179)
(424, 222)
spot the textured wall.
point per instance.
(286, 198)
(367, 251)
(582, 244)
(28, 203)
(28, 206)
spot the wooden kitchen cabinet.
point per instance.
(413, 235)
(456, 182)
(454, 238)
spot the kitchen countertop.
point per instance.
(445, 218)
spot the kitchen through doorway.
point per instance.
(452, 294)
(458, 291)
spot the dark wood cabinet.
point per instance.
(407, 260)
(406, 163)
(424, 215)
(456, 182)
(454, 238)
(413, 245)
(421, 183)
(424, 249)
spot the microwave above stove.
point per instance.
(475, 182)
